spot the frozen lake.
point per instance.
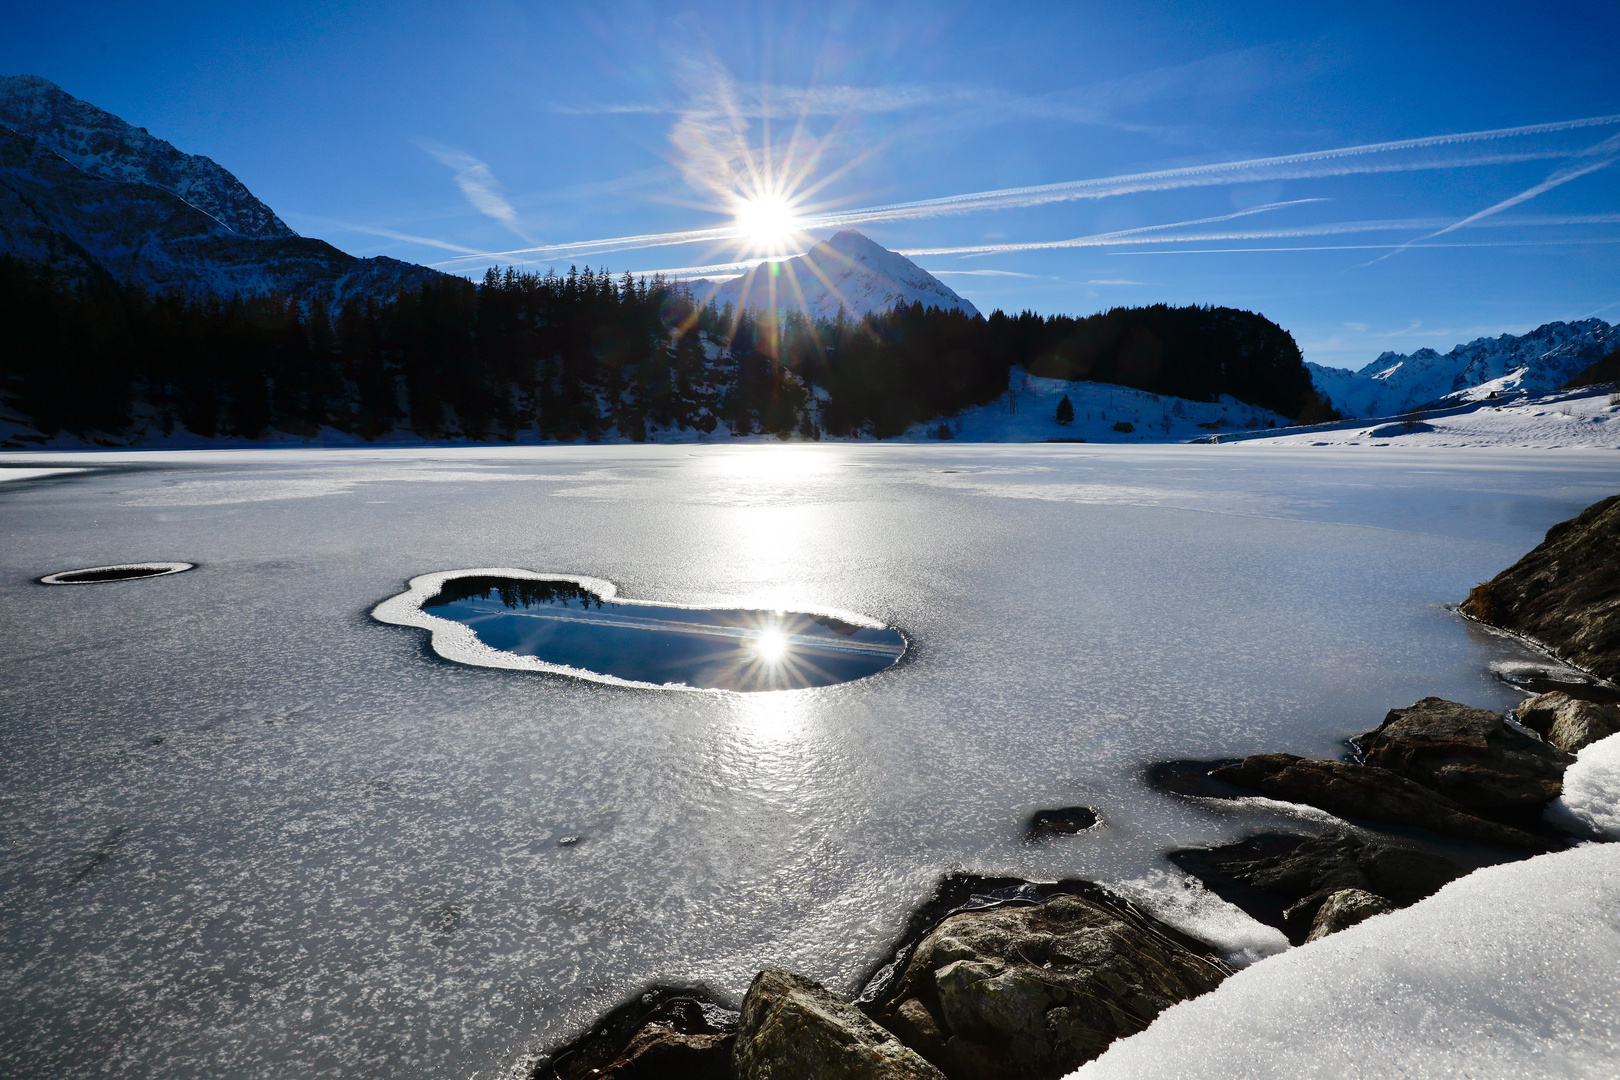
(251, 832)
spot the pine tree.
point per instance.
(1065, 411)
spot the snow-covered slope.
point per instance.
(1507, 972)
(1569, 418)
(1027, 412)
(847, 271)
(1534, 363)
(87, 194)
(104, 146)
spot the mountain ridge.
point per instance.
(88, 195)
(1533, 363)
(848, 271)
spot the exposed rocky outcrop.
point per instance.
(664, 1034)
(1469, 755)
(1567, 722)
(1565, 594)
(1346, 908)
(1370, 793)
(1285, 879)
(793, 1028)
(1035, 991)
(1065, 820)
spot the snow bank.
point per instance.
(1591, 799)
(1571, 418)
(1512, 971)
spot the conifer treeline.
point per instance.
(581, 356)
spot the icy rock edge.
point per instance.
(1509, 971)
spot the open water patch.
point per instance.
(578, 626)
(96, 575)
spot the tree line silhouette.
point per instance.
(523, 356)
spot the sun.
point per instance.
(771, 646)
(767, 222)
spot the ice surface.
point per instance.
(1508, 972)
(1591, 799)
(252, 832)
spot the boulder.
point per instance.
(665, 1034)
(793, 1028)
(1034, 991)
(1065, 820)
(1284, 880)
(1566, 593)
(1567, 722)
(1468, 755)
(1346, 908)
(1372, 794)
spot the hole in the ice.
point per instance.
(570, 627)
(94, 575)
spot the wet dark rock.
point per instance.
(1565, 594)
(1034, 991)
(1468, 755)
(1066, 820)
(665, 1033)
(793, 1028)
(1345, 908)
(1569, 723)
(1284, 879)
(1372, 794)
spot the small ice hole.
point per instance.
(94, 575)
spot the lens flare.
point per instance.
(772, 646)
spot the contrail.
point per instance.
(1318, 163)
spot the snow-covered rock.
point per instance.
(89, 195)
(1535, 363)
(1507, 972)
(847, 271)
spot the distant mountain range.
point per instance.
(90, 195)
(848, 271)
(1508, 366)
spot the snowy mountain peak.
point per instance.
(848, 271)
(1534, 363)
(104, 146)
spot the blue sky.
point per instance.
(1185, 153)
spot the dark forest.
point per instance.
(586, 356)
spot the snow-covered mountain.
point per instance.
(1531, 364)
(90, 195)
(848, 271)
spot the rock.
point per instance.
(1067, 820)
(1034, 991)
(795, 1029)
(1569, 723)
(663, 1035)
(1566, 593)
(1346, 908)
(1370, 793)
(1283, 880)
(1468, 755)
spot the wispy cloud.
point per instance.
(1454, 151)
(1598, 156)
(390, 234)
(1551, 242)
(477, 183)
(1101, 239)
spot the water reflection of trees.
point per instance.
(513, 592)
